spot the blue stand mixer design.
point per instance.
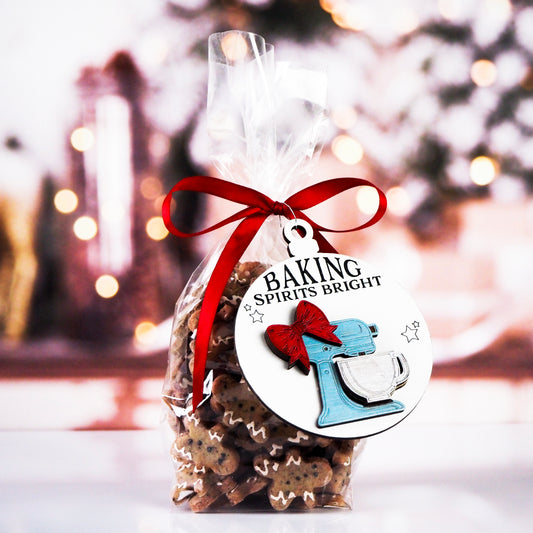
(357, 341)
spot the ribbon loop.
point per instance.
(258, 208)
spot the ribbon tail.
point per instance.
(298, 355)
(232, 252)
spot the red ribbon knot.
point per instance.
(298, 327)
(279, 209)
(258, 207)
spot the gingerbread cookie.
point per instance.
(343, 451)
(209, 489)
(204, 446)
(221, 340)
(282, 435)
(194, 480)
(242, 440)
(341, 460)
(220, 352)
(295, 477)
(240, 406)
(192, 321)
(339, 480)
(249, 486)
(227, 308)
(243, 275)
(233, 449)
(335, 501)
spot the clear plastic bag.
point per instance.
(265, 121)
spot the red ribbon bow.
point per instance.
(288, 340)
(259, 208)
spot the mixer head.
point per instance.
(357, 339)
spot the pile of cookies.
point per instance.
(232, 449)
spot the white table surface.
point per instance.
(451, 479)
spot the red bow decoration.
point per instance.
(258, 208)
(288, 340)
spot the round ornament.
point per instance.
(330, 344)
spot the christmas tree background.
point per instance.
(424, 95)
(432, 101)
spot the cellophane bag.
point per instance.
(265, 121)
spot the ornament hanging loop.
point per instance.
(279, 209)
(303, 245)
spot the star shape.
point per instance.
(247, 307)
(416, 324)
(411, 334)
(256, 316)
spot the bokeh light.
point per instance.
(483, 170)
(156, 229)
(66, 201)
(483, 73)
(234, 46)
(501, 9)
(347, 149)
(350, 16)
(142, 332)
(327, 5)
(85, 228)
(154, 50)
(159, 145)
(82, 139)
(398, 201)
(450, 9)
(406, 21)
(151, 187)
(106, 286)
(344, 117)
(367, 200)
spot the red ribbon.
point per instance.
(288, 340)
(259, 208)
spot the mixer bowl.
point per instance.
(374, 377)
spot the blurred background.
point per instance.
(102, 110)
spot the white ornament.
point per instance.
(299, 246)
(365, 380)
